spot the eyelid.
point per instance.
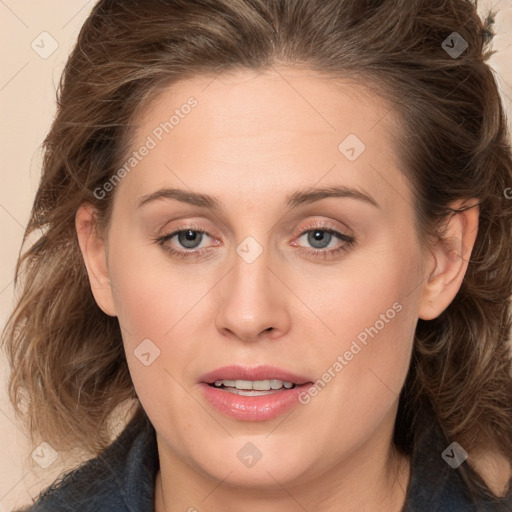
(325, 226)
(189, 227)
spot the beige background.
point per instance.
(28, 79)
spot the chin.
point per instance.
(256, 463)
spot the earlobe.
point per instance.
(451, 257)
(94, 254)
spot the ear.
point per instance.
(449, 259)
(94, 252)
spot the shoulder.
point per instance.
(438, 480)
(119, 479)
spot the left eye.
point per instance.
(320, 238)
(189, 238)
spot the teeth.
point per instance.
(258, 385)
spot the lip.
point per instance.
(253, 408)
(264, 372)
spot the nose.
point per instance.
(253, 302)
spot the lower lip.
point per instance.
(253, 408)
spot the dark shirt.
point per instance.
(122, 479)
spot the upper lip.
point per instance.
(264, 372)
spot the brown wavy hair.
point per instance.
(69, 370)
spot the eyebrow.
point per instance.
(294, 200)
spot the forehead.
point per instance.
(240, 103)
(256, 131)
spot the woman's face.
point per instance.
(309, 264)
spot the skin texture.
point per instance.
(252, 140)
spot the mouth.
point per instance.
(252, 387)
(253, 394)
(263, 378)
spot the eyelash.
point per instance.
(315, 253)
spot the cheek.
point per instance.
(361, 297)
(371, 311)
(156, 343)
(361, 372)
(374, 366)
(157, 304)
(146, 290)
